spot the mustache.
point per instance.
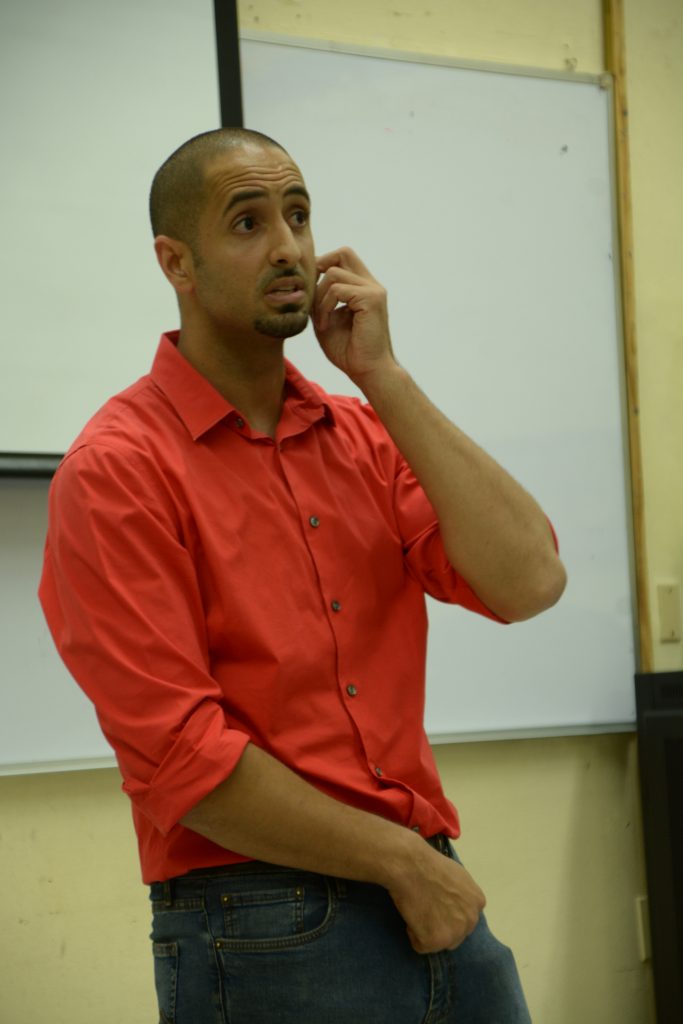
(289, 272)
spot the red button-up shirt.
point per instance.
(208, 586)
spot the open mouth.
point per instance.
(286, 293)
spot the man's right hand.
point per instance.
(438, 899)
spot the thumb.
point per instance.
(412, 938)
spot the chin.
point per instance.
(282, 325)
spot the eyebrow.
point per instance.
(259, 193)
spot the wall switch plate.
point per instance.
(669, 602)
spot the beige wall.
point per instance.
(550, 832)
(537, 33)
(551, 826)
(655, 55)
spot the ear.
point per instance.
(175, 260)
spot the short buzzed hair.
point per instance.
(177, 195)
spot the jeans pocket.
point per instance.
(276, 918)
(166, 979)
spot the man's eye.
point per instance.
(245, 224)
(300, 217)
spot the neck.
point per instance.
(249, 373)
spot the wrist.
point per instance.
(400, 862)
(381, 379)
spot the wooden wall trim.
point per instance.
(615, 64)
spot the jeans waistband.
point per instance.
(165, 890)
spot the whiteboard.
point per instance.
(93, 97)
(484, 202)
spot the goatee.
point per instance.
(292, 320)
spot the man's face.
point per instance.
(254, 257)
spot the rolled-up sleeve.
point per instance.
(122, 600)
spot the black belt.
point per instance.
(440, 843)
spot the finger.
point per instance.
(336, 275)
(325, 301)
(355, 297)
(330, 285)
(343, 257)
(415, 942)
(342, 275)
(341, 282)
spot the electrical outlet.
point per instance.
(643, 928)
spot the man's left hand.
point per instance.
(350, 315)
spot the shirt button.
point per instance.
(336, 607)
(379, 772)
(351, 690)
(240, 422)
(314, 521)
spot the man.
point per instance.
(235, 573)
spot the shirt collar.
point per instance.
(200, 406)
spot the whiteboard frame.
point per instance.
(503, 735)
(604, 80)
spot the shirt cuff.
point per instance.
(203, 755)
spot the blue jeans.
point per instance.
(255, 944)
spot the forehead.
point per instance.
(249, 167)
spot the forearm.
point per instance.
(267, 812)
(495, 534)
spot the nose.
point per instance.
(285, 248)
